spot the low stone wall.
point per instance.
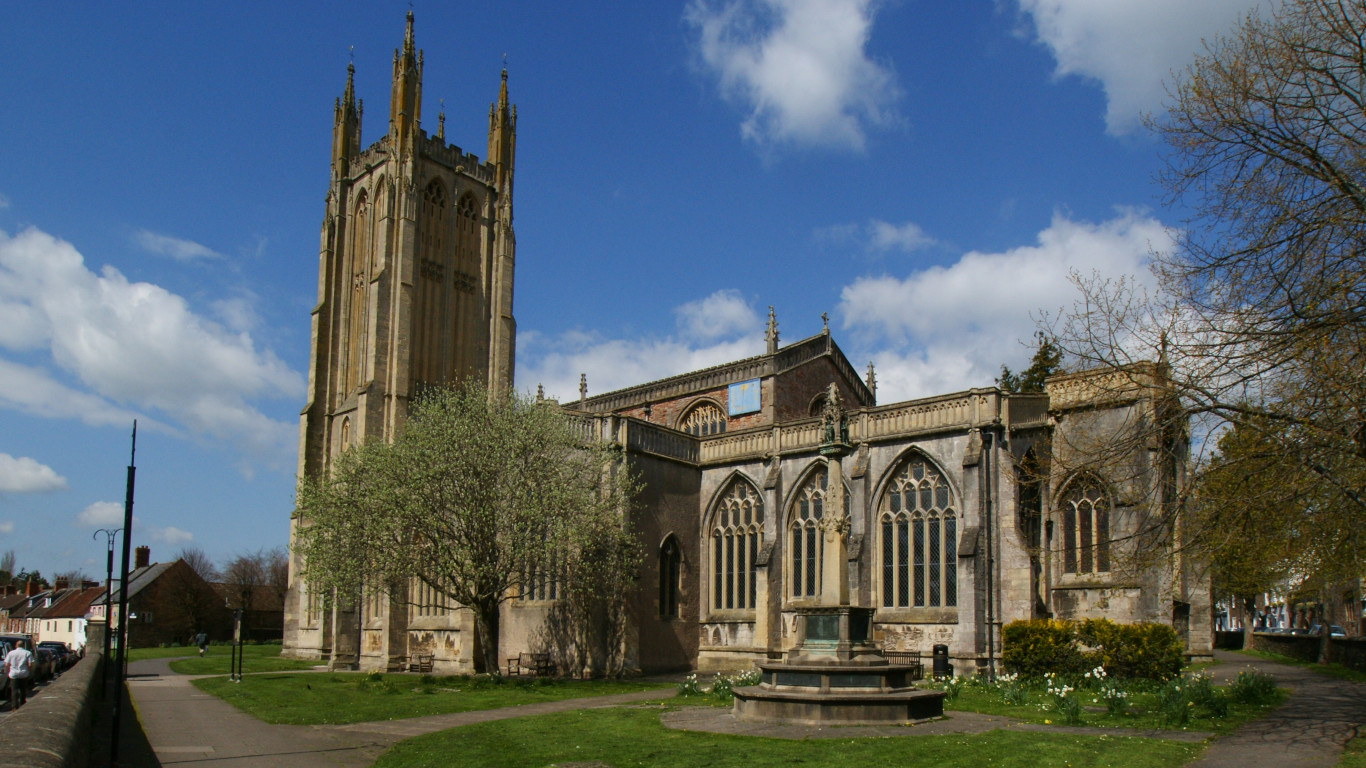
(1349, 652)
(53, 729)
(1229, 641)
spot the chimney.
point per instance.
(89, 584)
(143, 557)
(10, 589)
(59, 584)
(30, 588)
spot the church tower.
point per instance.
(415, 273)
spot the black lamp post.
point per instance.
(109, 534)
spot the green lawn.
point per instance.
(633, 736)
(255, 658)
(1355, 755)
(352, 697)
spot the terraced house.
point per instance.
(958, 512)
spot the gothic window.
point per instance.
(919, 539)
(541, 580)
(817, 405)
(428, 600)
(466, 244)
(806, 556)
(1085, 529)
(670, 571)
(355, 290)
(705, 419)
(736, 535)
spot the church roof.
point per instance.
(759, 366)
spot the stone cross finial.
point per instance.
(540, 392)
(583, 387)
(825, 323)
(771, 334)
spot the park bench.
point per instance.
(529, 663)
(910, 658)
(421, 662)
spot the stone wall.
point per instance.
(1349, 652)
(53, 729)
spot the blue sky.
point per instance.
(927, 173)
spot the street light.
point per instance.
(109, 534)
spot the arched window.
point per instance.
(427, 600)
(737, 533)
(817, 405)
(1085, 528)
(919, 530)
(704, 419)
(670, 571)
(356, 289)
(807, 552)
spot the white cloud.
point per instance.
(176, 248)
(724, 313)
(7, 527)
(170, 535)
(944, 329)
(101, 514)
(1130, 46)
(798, 66)
(714, 330)
(134, 344)
(877, 236)
(24, 475)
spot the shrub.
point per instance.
(1144, 650)
(722, 686)
(1252, 687)
(1032, 648)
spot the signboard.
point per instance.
(744, 397)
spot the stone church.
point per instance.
(954, 514)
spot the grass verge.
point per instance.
(634, 736)
(355, 697)
(1331, 669)
(1355, 754)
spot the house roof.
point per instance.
(76, 604)
(138, 580)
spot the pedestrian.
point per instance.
(19, 669)
(202, 640)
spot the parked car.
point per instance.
(46, 667)
(1333, 630)
(65, 658)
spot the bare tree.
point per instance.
(277, 573)
(244, 574)
(1259, 318)
(198, 562)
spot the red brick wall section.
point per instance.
(667, 413)
(797, 387)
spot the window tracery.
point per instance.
(1085, 529)
(737, 534)
(670, 572)
(919, 537)
(704, 419)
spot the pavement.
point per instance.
(184, 726)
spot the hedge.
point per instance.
(1144, 650)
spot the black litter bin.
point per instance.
(942, 667)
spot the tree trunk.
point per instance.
(1249, 621)
(486, 616)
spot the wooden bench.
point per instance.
(527, 663)
(421, 662)
(909, 658)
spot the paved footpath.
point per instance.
(1307, 731)
(188, 727)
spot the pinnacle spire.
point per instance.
(871, 381)
(771, 333)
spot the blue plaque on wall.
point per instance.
(744, 397)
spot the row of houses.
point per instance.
(168, 604)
